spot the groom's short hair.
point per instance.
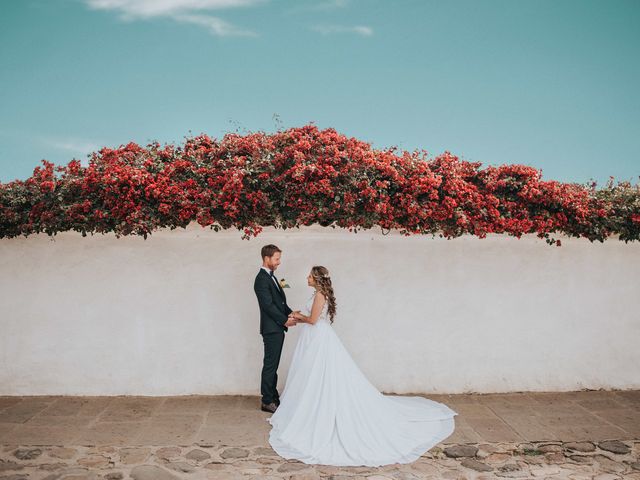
(269, 250)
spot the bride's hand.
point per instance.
(291, 322)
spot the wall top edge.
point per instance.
(195, 230)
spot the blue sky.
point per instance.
(551, 84)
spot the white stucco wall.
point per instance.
(176, 314)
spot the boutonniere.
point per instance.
(283, 283)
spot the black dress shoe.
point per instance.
(270, 407)
(277, 402)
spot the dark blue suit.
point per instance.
(273, 315)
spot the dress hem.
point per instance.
(287, 452)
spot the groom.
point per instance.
(274, 321)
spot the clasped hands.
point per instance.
(292, 319)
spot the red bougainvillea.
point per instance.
(303, 176)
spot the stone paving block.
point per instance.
(110, 433)
(170, 429)
(65, 406)
(59, 421)
(130, 409)
(224, 403)
(22, 411)
(199, 405)
(494, 430)
(43, 435)
(94, 406)
(625, 418)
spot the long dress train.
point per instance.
(331, 414)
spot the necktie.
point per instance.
(275, 280)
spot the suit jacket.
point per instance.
(273, 304)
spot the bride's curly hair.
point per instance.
(323, 283)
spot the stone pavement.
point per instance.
(574, 435)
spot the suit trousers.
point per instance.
(272, 350)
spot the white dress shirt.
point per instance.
(274, 277)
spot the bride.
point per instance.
(331, 414)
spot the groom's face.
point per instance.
(273, 261)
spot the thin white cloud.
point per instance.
(183, 11)
(333, 4)
(216, 25)
(73, 145)
(320, 6)
(76, 146)
(154, 8)
(332, 29)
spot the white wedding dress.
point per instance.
(330, 414)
